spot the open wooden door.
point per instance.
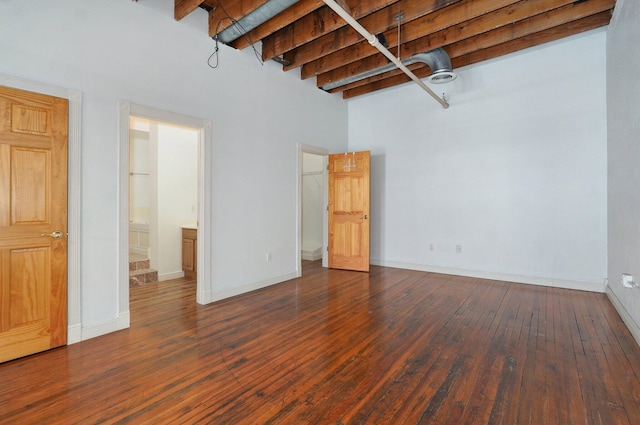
(349, 211)
(33, 222)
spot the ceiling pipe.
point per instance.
(436, 59)
(373, 40)
(250, 21)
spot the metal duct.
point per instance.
(254, 19)
(437, 59)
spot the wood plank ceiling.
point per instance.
(308, 35)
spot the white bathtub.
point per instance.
(139, 238)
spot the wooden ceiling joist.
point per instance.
(310, 36)
(292, 14)
(483, 31)
(182, 8)
(220, 17)
(315, 25)
(502, 35)
(552, 34)
(446, 32)
(438, 20)
(432, 12)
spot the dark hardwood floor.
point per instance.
(336, 347)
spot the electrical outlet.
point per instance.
(627, 281)
(458, 249)
(268, 257)
(430, 247)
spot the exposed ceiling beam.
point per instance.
(315, 25)
(345, 6)
(429, 14)
(182, 8)
(545, 14)
(555, 33)
(501, 35)
(219, 16)
(295, 12)
(309, 35)
(445, 32)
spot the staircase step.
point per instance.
(138, 264)
(142, 277)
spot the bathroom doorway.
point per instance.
(203, 188)
(163, 197)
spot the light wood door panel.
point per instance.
(33, 204)
(29, 174)
(349, 180)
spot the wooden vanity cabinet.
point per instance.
(189, 252)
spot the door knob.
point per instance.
(56, 234)
(365, 217)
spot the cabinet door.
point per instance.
(188, 255)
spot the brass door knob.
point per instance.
(56, 234)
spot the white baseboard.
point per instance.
(311, 256)
(74, 334)
(204, 298)
(227, 293)
(530, 280)
(311, 252)
(92, 331)
(624, 314)
(169, 276)
(123, 321)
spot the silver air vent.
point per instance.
(437, 59)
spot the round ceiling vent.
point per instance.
(441, 77)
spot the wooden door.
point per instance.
(33, 222)
(349, 211)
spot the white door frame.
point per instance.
(325, 236)
(205, 161)
(74, 204)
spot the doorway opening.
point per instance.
(312, 217)
(203, 190)
(163, 197)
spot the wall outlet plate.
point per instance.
(627, 281)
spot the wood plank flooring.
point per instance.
(337, 347)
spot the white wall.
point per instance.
(312, 200)
(623, 107)
(177, 195)
(139, 178)
(135, 51)
(514, 172)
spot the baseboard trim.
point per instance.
(169, 276)
(624, 314)
(311, 257)
(92, 331)
(204, 298)
(529, 280)
(74, 334)
(228, 293)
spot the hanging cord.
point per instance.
(215, 54)
(245, 34)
